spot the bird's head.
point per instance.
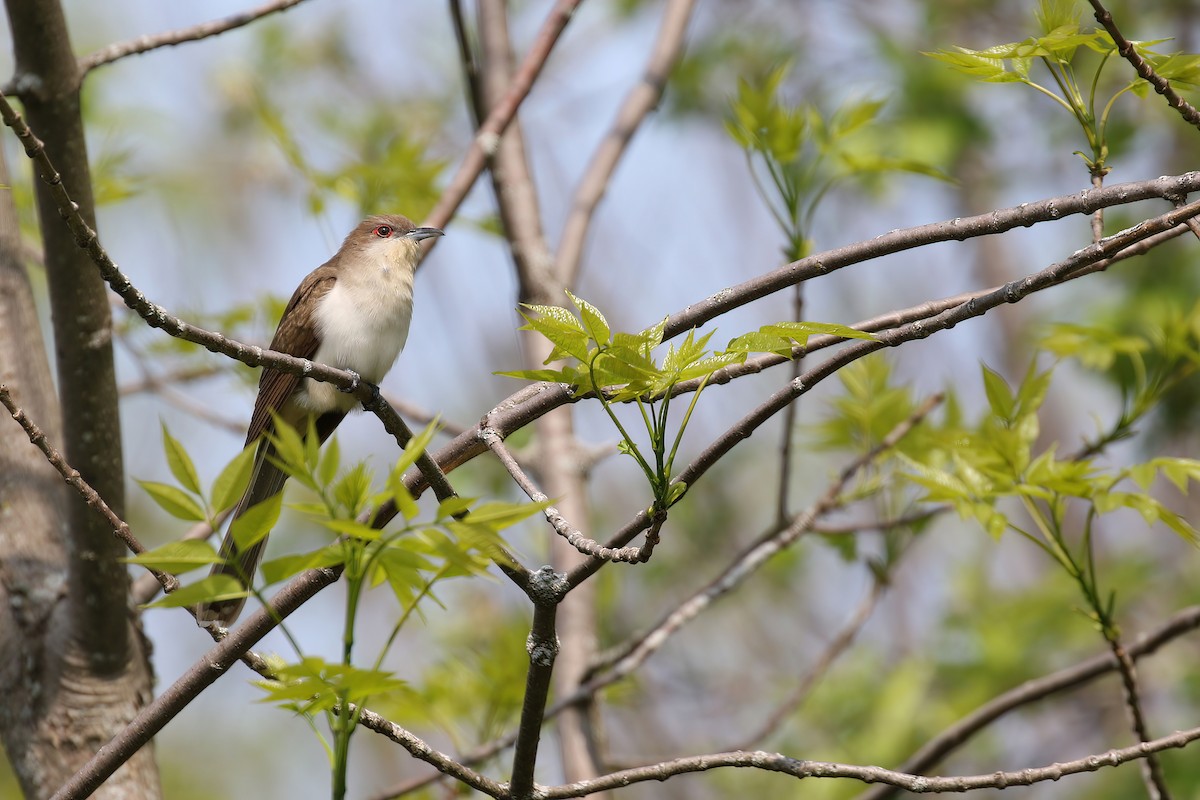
(389, 237)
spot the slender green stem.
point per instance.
(660, 446)
(1103, 124)
(1053, 546)
(683, 425)
(633, 450)
(1096, 83)
(762, 190)
(1050, 94)
(408, 611)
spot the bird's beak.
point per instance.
(417, 234)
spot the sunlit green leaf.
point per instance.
(210, 589)
(593, 321)
(257, 521)
(173, 500)
(233, 479)
(180, 462)
(999, 395)
(280, 569)
(178, 557)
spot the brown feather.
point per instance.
(296, 336)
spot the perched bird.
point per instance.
(353, 313)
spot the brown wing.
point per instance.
(296, 336)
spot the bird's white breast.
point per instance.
(362, 324)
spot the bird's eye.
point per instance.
(383, 231)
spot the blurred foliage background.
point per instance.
(228, 169)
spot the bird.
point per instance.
(353, 313)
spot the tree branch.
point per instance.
(641, 100)
(775, 762)
(212, 665)
(622, 660)
(71, 475)
(958, 734)
(832, 652)
(144, 44)
(488, 135)
(1144, 70)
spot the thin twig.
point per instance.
(144, 588)
(589, 547)
(832, 652)
(157, 317)
(797, 768)
(470, 65)
(488, 135)
(90, 496)
(210, 666)
(621, 661)
(1152, 774)
(1144, 70)
(144, 44)
(958, 734)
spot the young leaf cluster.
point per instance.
(805, 153)
(992, 471)
(187, 500)
(1061, 49)
(461, 539)
(620, 367)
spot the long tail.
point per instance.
(265, 482)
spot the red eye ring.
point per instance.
(383, 231)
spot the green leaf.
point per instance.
(499, 516)
(453, 506)
(331, 460)
(210, 589)
(999, 395)
(976, 64)
(800, 331)
(352, 488)
(760, 342)
(231, 483)
(570, 339)
(290, 454)
(177, 557)
(180, 463)
(1143, 475)
(280, 569)
(550, 375)
(257, 521)
(350, 527)
(415, 447)
(595, 323)
(1178, 471)
(853, 115)
(405, 503)
(707, 366)
(1032, 392)
(174, 501)
(402, 569)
